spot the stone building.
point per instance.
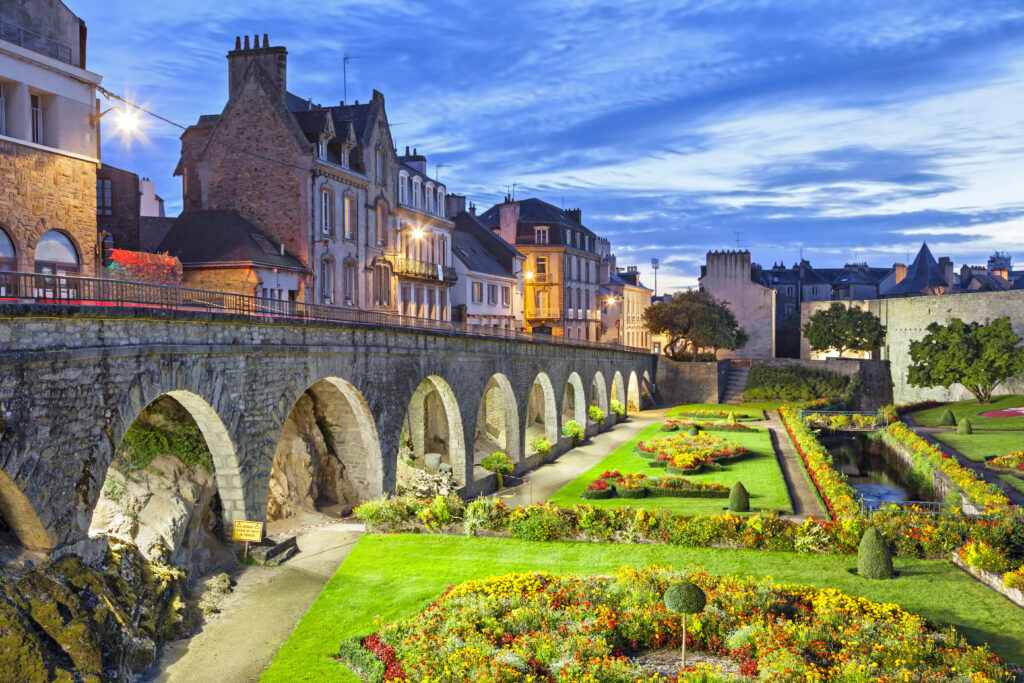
(489, 291)
(728, 276)
(322, 184)
(118, 206)
(423, 242)
(623, 302)
(562, 288)
(49, 141)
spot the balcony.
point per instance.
(35, 42)
(413, 268)
(449, 274)
(544, 314)
(542, 279)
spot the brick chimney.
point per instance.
(274, 61)
(575, 214)
(900, 270)
(508, 214)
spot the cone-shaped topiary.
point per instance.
(693, 431)
(731, 418)
(685, 597)
(947, 419)
(964, 427)
(874, 561)
(739, 499)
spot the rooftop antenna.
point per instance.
(344, 73)
(737, 233)
(437, 175)
(511, 191)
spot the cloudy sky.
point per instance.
(851, 130)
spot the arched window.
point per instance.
(440, 202)
(382, 225)
(8, 262)
(327, 280)
(402, 198)
(579, 298)
(416, 194)
(55, 254)
(588, 300)
(326, 212)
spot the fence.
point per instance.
(871, 507)
(68, 289)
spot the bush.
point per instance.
(598, 489)
(685, 597)
(618, 409)
(573, 429)
(498, 463)
(947, 419)
(730, 419)
(362, 662)
(596, 414)
(693, 430)
(792, 384)
(541, 445)
(964, 427)
(984, 556)
(739, 499)
(874, 560)
(539, 523)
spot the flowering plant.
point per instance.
(1011, 461)
(541, 445)
(599, 488)
(617, 408)
(984, 556)
(1014, 579)
(596, 414)
(572, 429)
(685, 453)
(498, 463)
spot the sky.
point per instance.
(842, 130)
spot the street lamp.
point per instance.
(655, 264)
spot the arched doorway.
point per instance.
(633, 393)
(328, 459)
(574, 402)
(541, 413)
(174, 487)
(18, 519)
(432, 437)
(599, 393)
(497, 421)
(618, 389)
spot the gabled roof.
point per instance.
(535, 212)
(314, 122)
(207, 238)
(482, 250)
(923, 274)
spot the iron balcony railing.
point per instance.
(31, 40)
(408, 266)
(67, 289)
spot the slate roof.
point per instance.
(224, 237)
(480, 249)
(1018, 283)
(626, 279)
(313, 122)
(923, 274)
(533, 212)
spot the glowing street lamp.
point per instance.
(417, 233)
(529, 275)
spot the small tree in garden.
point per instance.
(730, 418)
(685, 597)
(693, 430)
(572, 429)
(498, 463)
(947, 419)
(694, 320)
(739, 499)
(964, 427)
(977, 356)
(844, 329)
(874, 560)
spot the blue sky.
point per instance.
(851, 130)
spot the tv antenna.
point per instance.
(437, 175)
(344, 73)
(511, 190)
(737, 233)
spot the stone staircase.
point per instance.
(734, 385)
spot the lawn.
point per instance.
(759, 473)
(1014, 481)
(981, 447)
(747, 411)
(970, 409)
(392, 576)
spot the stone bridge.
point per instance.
(74, 378)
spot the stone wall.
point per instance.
(906, 319)
(727, 277)
(688, 382)
(876, 388)
(73, 380)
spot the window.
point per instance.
(350, 217)
(542, 265)
(440, 203)
(104, 199)
(380, 166)
(321, 148)
(442, 254)
(382, 285)
(37, 120)
(428, 195)
(55, 254)
(492, 294)
(588, 300)
(348, 283)
(540, 235)
(588, 271)
(478, 292)
(327, 280)
(789, 291)
(401, 190)
(3, 111)
(326, 219)
(8, 262)
(579, 268)
(416, 193)
(382, 226)
(506, 296)
(443, 299)
(790, 308)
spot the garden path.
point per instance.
(927, 433)
(805, 502)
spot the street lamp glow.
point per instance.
(417, 233)
(127, 121)
(610, 300)
(529, 275)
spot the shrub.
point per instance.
(539, 523)
(792, 384)
(598, 489)
(730, 419)
(947, 419)
(596, 414)
(964, 427)
(541, 445)
(693, 430)
(1014, 579)
(498, 463)
(573, 429)
(874, 560)
(484, 513)
(984, 556)
(618, 409)
(739, 499)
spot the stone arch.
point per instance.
(618, 388)
(497, 421)
(18, 514)
(328, 457)
(433, 424)
(541, 412)
(633, 393)
(574, 401)
(646, 387)
(599, 392)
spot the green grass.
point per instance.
(392, 576)
(746, 411)
(1014, 481)
(970, 409)
(759, 473)
(981, 447)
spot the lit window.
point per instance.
(542, 265)
(104, 198)
(540, 235)
(478, 292)
(350, 217)
(382, 226)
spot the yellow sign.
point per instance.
(248, 531)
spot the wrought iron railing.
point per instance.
(408, 266)
(544, 314)
(873, 507)
(33, 41)
(68, 289)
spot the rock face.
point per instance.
(71, 622)
(416, 482)
(307, 474)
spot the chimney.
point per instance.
(509, 220)
(454, 204)
(472, 208)
(575, 214)
(900, 270)
(273, 60)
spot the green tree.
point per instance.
(978, 356)
(844, 329)
(695, 320)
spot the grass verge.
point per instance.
(389, 577)
(981, 447)
(1014, 481)
(972, 409)
(746, 411)
(760, 474)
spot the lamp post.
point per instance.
(610, 300)
(655, 264)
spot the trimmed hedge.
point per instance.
(792, 384)
(874, 559)
(598, 495)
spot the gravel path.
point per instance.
(805, 502)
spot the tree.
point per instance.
(685, 597)
(695, 320)
(844, 329)
(975, 355)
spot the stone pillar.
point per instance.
(19, 114)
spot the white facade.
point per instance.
(490, 300)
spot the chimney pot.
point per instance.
(238, 42)
(246, 47)
(414, 151)
(266, 41)
(407, 150)
(255, 41)
(357, 103)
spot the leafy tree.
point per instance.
(844, 329)
(695, 320)
(975, 355)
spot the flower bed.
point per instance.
(839, 497)
(990, 565)
(1011, 462)
(640, 485)
(566, 628)
(928, 457)
(672, 425)
(837, 422)
(683, 453)
(713, 414)
(598, 489)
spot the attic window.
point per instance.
(540, 235)
(263, 243)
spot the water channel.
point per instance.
(869, 468)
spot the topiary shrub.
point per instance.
(730, 418)
(685, 597)
(964, 427)
(498, 463)
(874, 560)
(739, 499)
(693, 430)
(947, 419)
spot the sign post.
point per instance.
(247, 531)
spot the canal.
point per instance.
(870, 468)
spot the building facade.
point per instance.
(623, 302)
(728, 276)
(489, 290)
(49, 141)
